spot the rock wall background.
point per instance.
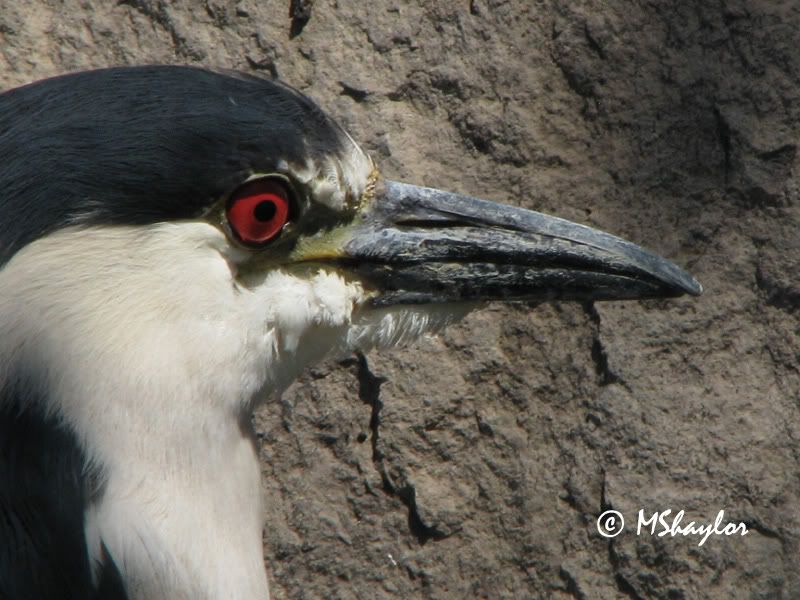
(475, 464)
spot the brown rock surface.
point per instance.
(475, 464)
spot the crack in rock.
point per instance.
(369, 389)
(624, 586)
(604, 372)
(571, 583)
(300, 15)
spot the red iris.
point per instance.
(258, 210)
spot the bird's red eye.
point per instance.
(258, 210)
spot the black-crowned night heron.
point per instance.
(176, 246)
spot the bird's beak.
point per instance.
(416, 245)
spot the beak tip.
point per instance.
(690, 285)
(674, 277)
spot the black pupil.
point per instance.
(265, 210)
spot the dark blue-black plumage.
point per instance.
(45, 486)
(137, 145)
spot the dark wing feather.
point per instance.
(44, 490)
